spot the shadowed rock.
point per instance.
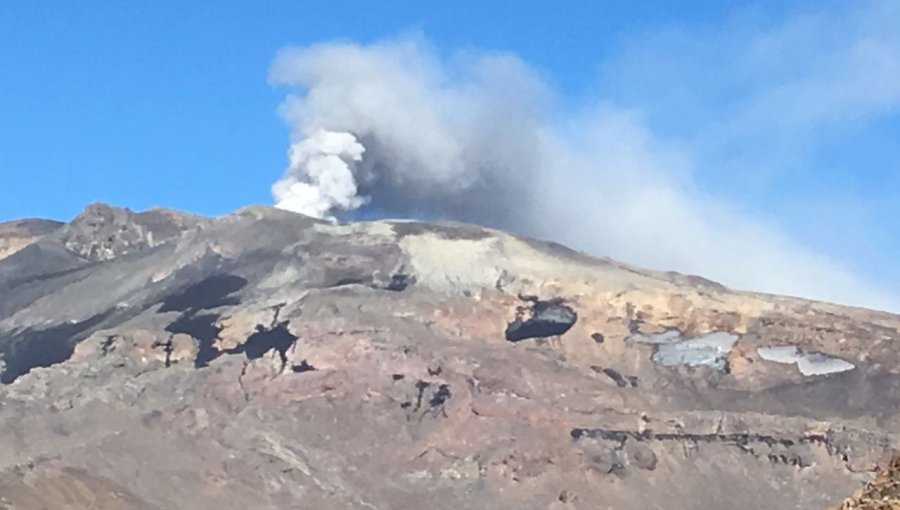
(43, 348)
(211, 292)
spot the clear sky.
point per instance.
(787, 114)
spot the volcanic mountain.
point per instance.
(267, 360)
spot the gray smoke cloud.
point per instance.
(396, 130)
(458, 139)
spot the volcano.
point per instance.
(268, 360)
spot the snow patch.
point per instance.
(809, 364)
(709, 350)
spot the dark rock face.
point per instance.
(544, 319)
(267, 360)
(400, 281)
(622, 381)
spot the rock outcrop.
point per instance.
(268, 360)
(883, 493)
(102, 232)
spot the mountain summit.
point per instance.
(268, 360)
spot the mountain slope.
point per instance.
(15, 235)
(269, 360)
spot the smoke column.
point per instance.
(394, 129)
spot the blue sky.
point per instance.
(787, 114)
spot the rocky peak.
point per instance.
(103, 232)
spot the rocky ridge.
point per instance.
(268, 360)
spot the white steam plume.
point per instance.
(319, 180)
(469, 138)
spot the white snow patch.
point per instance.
(707, 350)
(814, 363)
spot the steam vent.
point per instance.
(268, 360)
